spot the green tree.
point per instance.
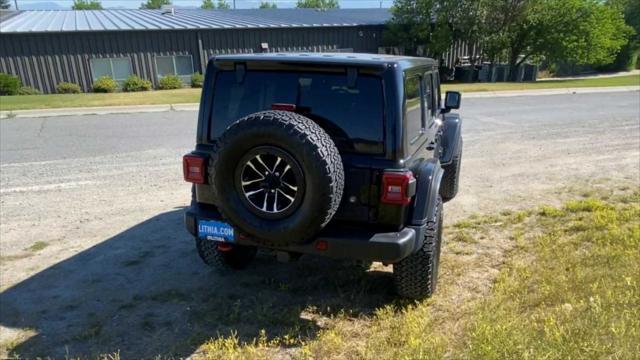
(575, 31)
(268, 5)
(207, 4)
(154, 4)
(5, 4)
(628, 56)
(223, 4)
(86, 5)
(429, 24)
(318, 4)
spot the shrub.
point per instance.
(196, 80)
(28, 90)
(68, 88)
(105, 84)
(170, 82)
(136, 83)
(9, 85)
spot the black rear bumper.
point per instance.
(385, 247)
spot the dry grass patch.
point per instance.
(546, 283)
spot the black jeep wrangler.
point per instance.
(342, 155)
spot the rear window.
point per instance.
(351, 115)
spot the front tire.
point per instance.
(416, 276)
(234, 257)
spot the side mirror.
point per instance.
(452, 101)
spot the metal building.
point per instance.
(44, 48)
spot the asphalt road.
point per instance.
(101, 199)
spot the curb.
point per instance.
(105, 110)
(102, 110)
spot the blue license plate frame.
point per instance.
(216, 231)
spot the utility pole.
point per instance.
(380, 4)
(16, 2)
(234, 4)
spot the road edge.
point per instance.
(105, 110)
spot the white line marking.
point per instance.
(35, 188)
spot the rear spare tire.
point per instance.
(277, 176)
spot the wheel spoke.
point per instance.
(285, 170)
(264, 204)
(245, 183)
(294, 188)
(254, 168)
(285, 195)
(275, 202)
(254, 192)
(276, 165)
(262, 163)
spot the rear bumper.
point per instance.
(385, 247)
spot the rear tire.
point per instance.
(451, 177)
(416, 276)
(237, 258)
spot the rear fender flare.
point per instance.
(450, 138)
(428, 178)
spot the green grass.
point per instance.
(628, 80)
(180, 96)
(568, 289)
(578, 296)
(24, 102)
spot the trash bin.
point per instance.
(519, 74)
(530, 72)
(485, 74)
(464, 74)
(502, 73)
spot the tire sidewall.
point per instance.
(237, 142)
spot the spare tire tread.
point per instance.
(314, 138)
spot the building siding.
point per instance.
(44, 60)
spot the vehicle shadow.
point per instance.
(145, 292)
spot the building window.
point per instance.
(118, 69)
(180, 65)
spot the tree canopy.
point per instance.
(577, 31)
(207, 4)
(224, 5)
(86, 5)
(318, 4)
(5, 4)
(154, 4)
(268, 5)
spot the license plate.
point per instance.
(215, 230)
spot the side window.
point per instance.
(414, 119)
(436, 91)
(428, 98)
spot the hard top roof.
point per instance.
(355, 59)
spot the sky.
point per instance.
(240, 4)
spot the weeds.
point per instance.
(38, 245)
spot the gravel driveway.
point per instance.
(95, 258)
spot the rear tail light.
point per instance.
(193, 168)
(398, 187)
